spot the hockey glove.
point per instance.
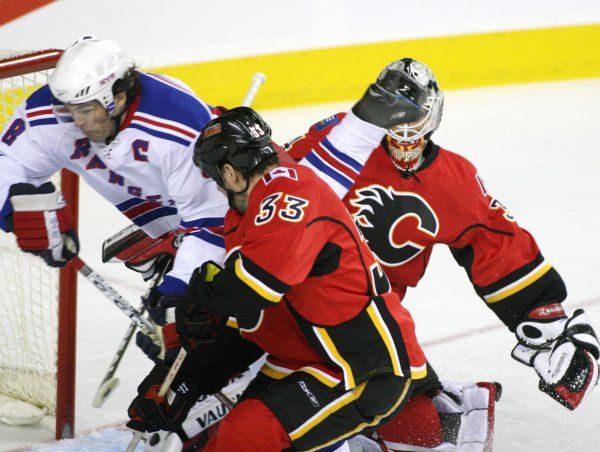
(161, 308)
(563, 351)
(149, 412)
(194, 325)
(41, 223)
(394, 98)
(161, 345)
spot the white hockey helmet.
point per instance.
(87, 70)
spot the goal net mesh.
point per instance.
(28, 289)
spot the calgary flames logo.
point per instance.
(384, 218)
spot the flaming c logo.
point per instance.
(380, 212)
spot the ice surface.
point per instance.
(537, 148)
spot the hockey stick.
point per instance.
(110, 382)
(162, 392)
(257, 80)
(110, 293)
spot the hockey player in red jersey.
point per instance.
(300, 282)
(407, 194)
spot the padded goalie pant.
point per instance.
(301, 412)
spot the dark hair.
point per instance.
(128, 84)
(259, 169)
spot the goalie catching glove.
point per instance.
(41, 223)
(149, 412)
(563, 351)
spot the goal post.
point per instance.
(37, 303)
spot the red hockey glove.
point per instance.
(41, 223)
(563, 351)
(149, 412)
(194, 325)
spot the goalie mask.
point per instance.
(405, 142)
(87, 70)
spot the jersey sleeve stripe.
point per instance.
(321, 166)
(255, 284)
(126, 205)
(334, 355)
(386, 336)
(337, 164)
(341, 157)
(166, 136)
(519, 284)
(140, 209)
(39, 112)
(210, 237)
(207, 222)
(416, 373)
(149, 217)
(168, 126)
(43, 122)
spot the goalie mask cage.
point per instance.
(37, 303)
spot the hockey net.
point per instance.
(37, 303)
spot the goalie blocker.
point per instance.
(140, 252)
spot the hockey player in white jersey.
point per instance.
(130, 136)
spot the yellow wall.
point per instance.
(342, 73)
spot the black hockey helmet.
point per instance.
(239, 137)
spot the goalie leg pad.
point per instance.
(465, 416)
(416, 424)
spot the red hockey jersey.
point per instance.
(444, 202)
(314, 297)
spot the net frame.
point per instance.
(20, 74)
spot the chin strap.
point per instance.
(231, 195)
(117, 121)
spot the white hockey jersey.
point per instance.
(147, 171)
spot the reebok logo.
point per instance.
(309, 394)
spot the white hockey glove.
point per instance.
(563, 351)
(41, 223)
